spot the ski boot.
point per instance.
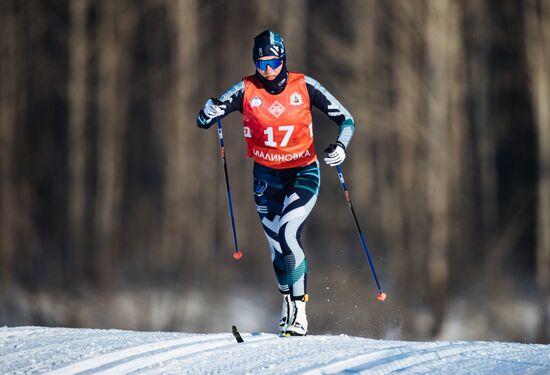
(286, 313)
(298, 319)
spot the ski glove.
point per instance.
(336, 153)
(213, 110)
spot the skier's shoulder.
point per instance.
(296, 76)
(310, 81)
(234, 91)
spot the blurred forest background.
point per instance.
(112, 202)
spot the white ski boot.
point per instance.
(298, 321)
(286, 313)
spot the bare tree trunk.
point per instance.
(410, 166)
(77, 92)
(363, 102)
(495, 231)
(438, 159)
(476, 205)
(114, 30)
(443, 53)
(294, 30)
(485, 139)
(180, 186)
(537, 40)
(8, 118)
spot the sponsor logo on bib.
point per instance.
(255, 102)
(276, 109)
(296, 99)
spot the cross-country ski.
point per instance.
(236, 334)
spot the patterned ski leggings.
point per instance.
(284, 199)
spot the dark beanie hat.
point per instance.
(268, 43)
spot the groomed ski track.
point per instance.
(30, 350)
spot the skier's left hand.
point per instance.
(336, 153)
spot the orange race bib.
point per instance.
(278, 128)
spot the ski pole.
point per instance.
(237, 254)
(381, 295)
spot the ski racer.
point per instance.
(278, 129)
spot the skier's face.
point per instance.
(269, 73)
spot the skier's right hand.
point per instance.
(336, 153)
(213, 110)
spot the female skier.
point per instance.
(278, 129)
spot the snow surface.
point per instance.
(25, 350)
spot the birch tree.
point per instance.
(78, 95)
(181, 210)
(444, 124)
(294, 22)
(8, 118)
(537, 42)
(114, 32)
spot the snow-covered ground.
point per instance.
(26, 350)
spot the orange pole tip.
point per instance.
(238, 254)
(381, 296)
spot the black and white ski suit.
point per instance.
(285, 197)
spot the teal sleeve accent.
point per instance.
(203, 121)
(345, 131)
